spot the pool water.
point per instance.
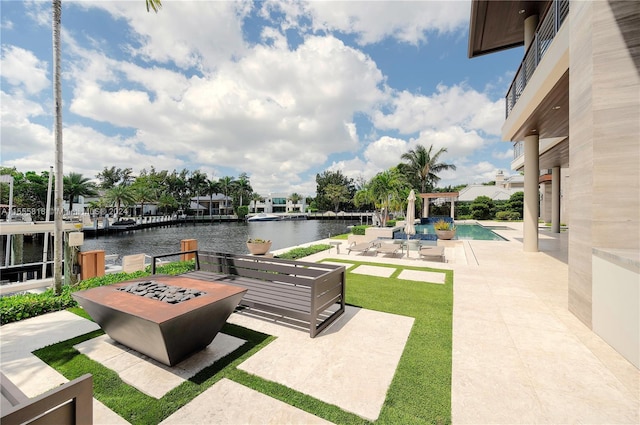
(465, 231)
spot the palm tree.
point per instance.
(421, 167)
(213, 187)
(120, 195)
(255, 197)
(242, 187)
(142, 195)
(386, 187)
(226, 185)
(75, 185)
(56, 6)
(198, 183)
(295, 198)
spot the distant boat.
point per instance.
(264, 217)
(124, 224)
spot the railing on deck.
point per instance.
(544, 36)
(518, 149)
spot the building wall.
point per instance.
(605, 139)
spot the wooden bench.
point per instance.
(70, 403)
(307, 295)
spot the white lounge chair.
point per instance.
(362, 247)
(432, 253)
(388, 248)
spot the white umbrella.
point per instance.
(409, 228)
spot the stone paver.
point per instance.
(350, 364)
(149, 376)
(228, 402)
(374, 270)
(431, 277)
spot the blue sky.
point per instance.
(281, 90)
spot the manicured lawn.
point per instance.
(420, 392)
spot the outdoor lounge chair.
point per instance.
(362, 247)
(388, 248)
(432, 253)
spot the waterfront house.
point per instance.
(573, 109)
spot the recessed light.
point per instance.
(521, 11)
(555, 108)
(534, 130)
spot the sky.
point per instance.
(280, 90)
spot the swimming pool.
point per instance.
(474, 232)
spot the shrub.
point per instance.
(22, 306)
(358, 230)
(391, 223)
(482, 208)
(443, 225)
(508, 215)
(296, 253)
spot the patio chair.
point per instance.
(362, 247)
(390, 249)
(432, 253)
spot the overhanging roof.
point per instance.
(498, 25)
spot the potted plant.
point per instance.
(258, 246)
(444, 229)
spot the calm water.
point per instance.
(222, 237)
(466, 231)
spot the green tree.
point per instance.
(110, 177)
(482, 208)
(198, 184)
(255, 198)
(226, 185)
(120, 196)
(386, 188)
(241, 189)
(76, 185)
(327, 178)
(421, 167)
(336, 194)
(142, 194)
(516, 203)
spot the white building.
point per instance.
(278, 203)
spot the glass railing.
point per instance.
(547, 30)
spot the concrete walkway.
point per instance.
(519, 356)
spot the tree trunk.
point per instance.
(57, 100)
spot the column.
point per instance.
(531, 196)
(555, 200)
(425, 209)
(453, 208)
(530, 25)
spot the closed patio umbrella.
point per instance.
(409, 228)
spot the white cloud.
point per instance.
(191, 34)
(507, 154)
(373, 21)
(22, 69)
(457, 105)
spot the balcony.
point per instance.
(546, 32)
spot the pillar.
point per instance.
(531, 196)
(453, 209)
(530, 25)
(555, 200)
(425, 209)
(188, 245)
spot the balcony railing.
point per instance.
(518, 149)
(545, 34)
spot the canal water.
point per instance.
(222, 237)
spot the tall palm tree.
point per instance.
(76, 185)
(255, 198)
(226, 186)
(242, 187)
(213, 187)
(142, 194)
(197, 185)
(385, 187)
(421, 166)
(120, 195)
(56, 6)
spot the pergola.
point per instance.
(451, 196)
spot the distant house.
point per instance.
(277, 203)
(574, 105)
(217, 204)
(501, 191)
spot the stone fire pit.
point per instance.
(166, 318)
